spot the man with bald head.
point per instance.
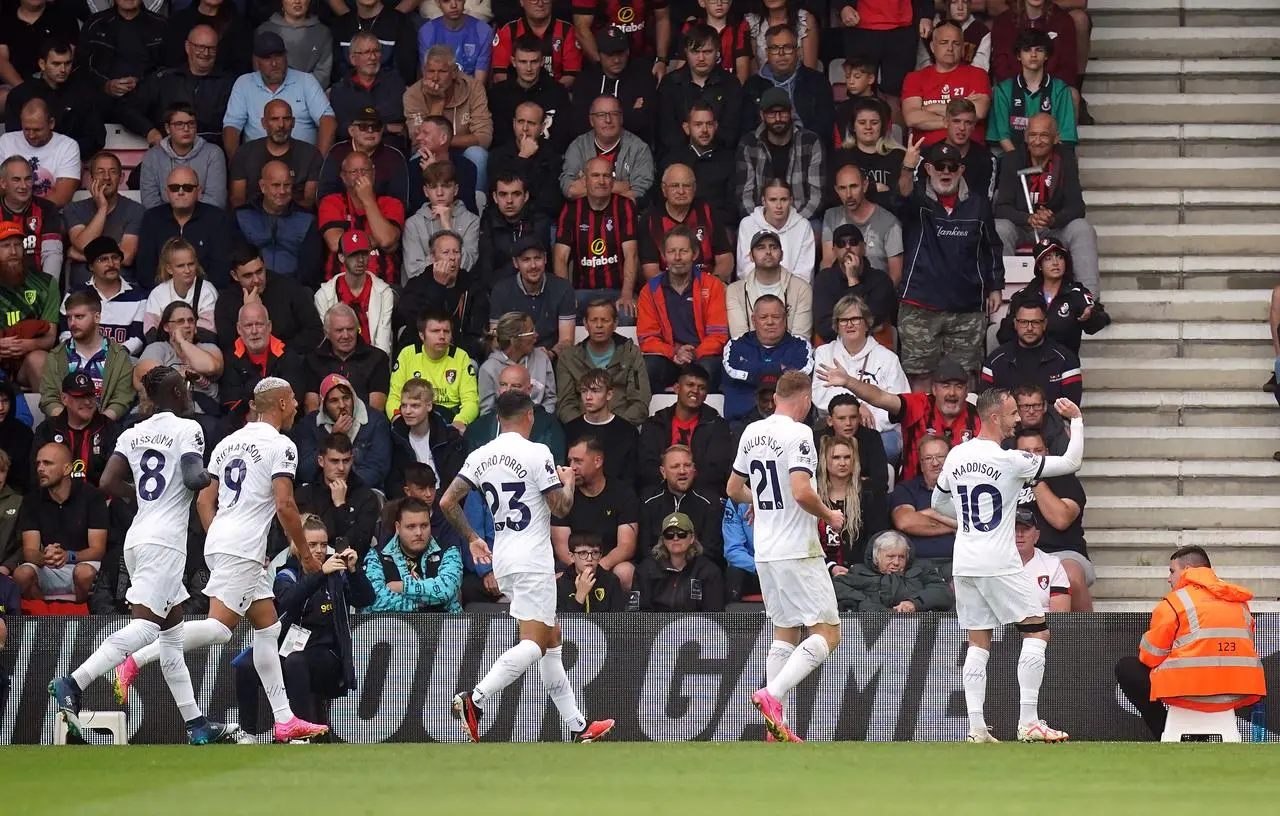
(204, 226)
(596, 243)
(681, 205)
(73, 101)
(1055, 191)
(533, 155)
(55, 158)
(359, 207)
(257, 353)
(193, 78)
(63, 526)
(284, 233)
(546, 428)
(302, 158)
(631, 157)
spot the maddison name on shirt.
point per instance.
(976, 467)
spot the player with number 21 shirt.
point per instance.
(773, 472)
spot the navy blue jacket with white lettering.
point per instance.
(953, 259)
(749, 364)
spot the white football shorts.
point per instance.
(992, 601)
(798, 592)
(532, 594)
(237, 582)
(155, 577)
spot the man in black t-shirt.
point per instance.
(606, 507)
(1058, 505)
(303, 159)
(63, 526)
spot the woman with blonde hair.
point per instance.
(678, 577)
(866, 141)
(179, 276)
(840, 487)
(516, 339)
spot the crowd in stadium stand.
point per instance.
(641, 214)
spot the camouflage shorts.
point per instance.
(925, 337)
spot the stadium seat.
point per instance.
(1200, 726)
(114, 722)
(33, 404)
(56, 605)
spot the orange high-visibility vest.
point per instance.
(1200, 645)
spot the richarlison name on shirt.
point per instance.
(245, 448)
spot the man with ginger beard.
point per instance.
(943, 411)
(28, 312)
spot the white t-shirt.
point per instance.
(984, 481)
(245, 465)
(422, 450)
(154, 449)
(771, 450)
(513, 474)
(59, 158)
(1046, 572)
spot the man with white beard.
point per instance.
(953, 272)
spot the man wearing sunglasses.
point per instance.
(366, 134)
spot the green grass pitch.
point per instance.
(648, 779)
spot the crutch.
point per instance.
(1026, 193)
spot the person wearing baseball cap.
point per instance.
(88, 433)
(366, 132)
(782, 147)
(371, 298)
(677, 577)
(622, 72)
(28, 309)
(1072, 309)
(769, 275)
(1053, 587)
(851, 274)
(314, 122)
(341, 411)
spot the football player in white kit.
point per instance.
(979, 487)
(523, 487)
(252, 471)
(166, 457)
(773, 472)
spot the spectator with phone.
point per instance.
(315, 648)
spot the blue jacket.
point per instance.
(748, 365)
(739, 537)
(436, 591)
(290, 243)
(953, 260)
(372, 454)
(481, 520)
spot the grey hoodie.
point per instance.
(423, 224)
(309, 45)
(206, 159)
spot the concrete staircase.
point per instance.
(1182, 180)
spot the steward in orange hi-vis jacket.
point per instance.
(1200, 645)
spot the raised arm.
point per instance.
(1070, 461)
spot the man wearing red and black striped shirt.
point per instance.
(560, 49)
(734, 34)
(679, 206)
(631, 17)
(596, 239)
(39, 219)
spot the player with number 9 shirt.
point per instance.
(773, 472)
(522, 487)
(979, 486)
(252, 474)
(165, 455)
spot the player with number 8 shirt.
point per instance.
(979, 486)
(252, 474)
(773, 472)
(165, 455)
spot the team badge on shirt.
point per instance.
(288, 454)
(451, 376)
(1043, 580)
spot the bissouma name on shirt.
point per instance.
(505, 459)
(976, 467)
(152, 441)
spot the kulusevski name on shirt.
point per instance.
(767, 441)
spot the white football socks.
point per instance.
(556, 682)
(196, 635)
(509, 666)
(266, 659)
(807, 657)
(1030, 675)
(975, 684)
(119, 644)
(174, 666)
(779, 653)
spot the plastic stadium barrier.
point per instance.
(662, 677)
